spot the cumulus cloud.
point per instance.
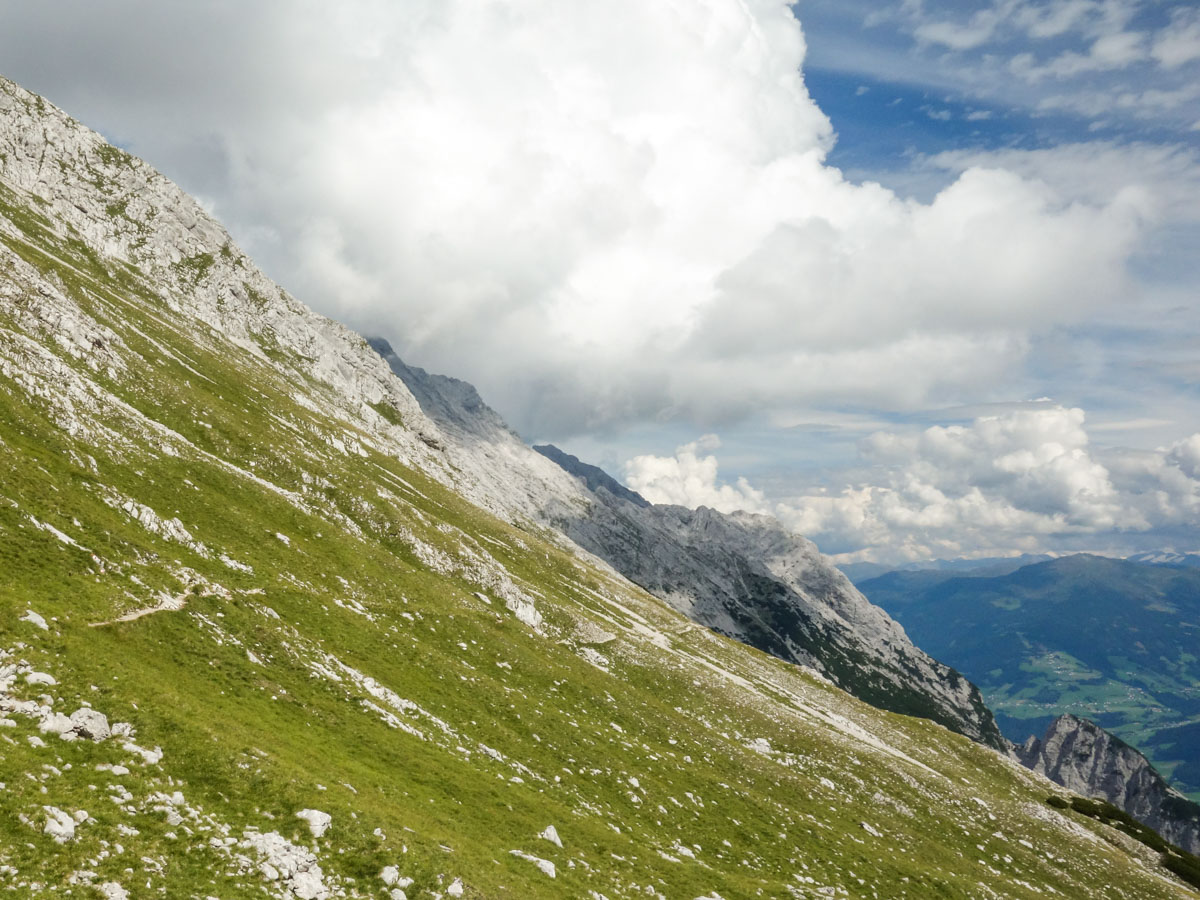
(690, 479)
(1028, 479)
(599, 213)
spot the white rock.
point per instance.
(318, 822)
(398, 894)
(456, 888)
(545, 865)
(390, 875)
(551, 835)
(34, 619)
(113, 891)
(59, 825)
(869, 829)
(309, 886)
(149, 757)
(57, 723)
(90, 724)
(40, 678)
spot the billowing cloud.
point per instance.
(690, 479)
(600, 214)
(1025, 480)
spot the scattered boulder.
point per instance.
(551, 835)
(318, 822)
(57, 723)
(282, 861)
(390, 875)
(59, 825)
(34, 619)
(90, 724)
(456, 888)
(544, 865)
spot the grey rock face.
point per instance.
(747, 577)
(1086, 759)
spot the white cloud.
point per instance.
(599, 213)
(1165, 175)
(1026, 479)
(1180, 43)
(690, 479)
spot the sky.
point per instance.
(919, 278)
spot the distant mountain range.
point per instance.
(1001, 565)
(997, 565)
(1112, 640)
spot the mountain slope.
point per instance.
(745, 577)
(1108, 639)
(259, 635)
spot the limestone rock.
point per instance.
(1087, 760)
(90, 724)
(318, 822)
(59, 825)
(547, 868)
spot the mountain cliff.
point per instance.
(1086, 759)
(269, 629)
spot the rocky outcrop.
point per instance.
(747, 577)
(1085, 759)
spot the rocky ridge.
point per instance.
(1084, 758)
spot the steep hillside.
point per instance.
(1107, 639)
(745, 577)
(262, 635)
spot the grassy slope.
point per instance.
(249, 692)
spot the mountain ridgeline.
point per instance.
(741, 575)
(275, 622)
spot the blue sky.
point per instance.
(892, 95)
(919, 278)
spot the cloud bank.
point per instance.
(600, 214)
(1026, 480)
